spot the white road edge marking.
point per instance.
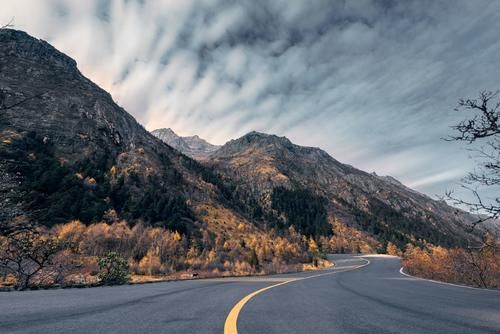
(444, 283)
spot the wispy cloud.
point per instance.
(372, 82)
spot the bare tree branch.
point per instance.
(483, 125)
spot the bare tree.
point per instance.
(26, 254)
(481, 127)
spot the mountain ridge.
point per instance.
(192, 146)
(70, 152)
(78, 155)
(264, 162)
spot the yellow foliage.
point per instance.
(479, 268)
(349, 240)
(242, 268)
(9, 280)
(150, 264)
(177, 236)
(231, 245)
(212, 256)
(193, 253)
(73, 231)
(313, 246)
(392, 249)
(222, 220)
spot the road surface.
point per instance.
(360, 295)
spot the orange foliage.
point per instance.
(346, 239)
(392, 249)
(480, 268)
(156, 251)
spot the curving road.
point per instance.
(354, 297)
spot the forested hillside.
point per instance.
(85, 188)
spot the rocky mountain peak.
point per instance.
(65, 144)
(254, 140)
(192, 146)
(24, 47)
(260, 137)
(165, 134)
(54, 99)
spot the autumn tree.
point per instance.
(392, 249)
(27, 254)
(253, 260)
(480, 268)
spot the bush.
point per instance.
(31, 258)
(474, 267)
(113, 269)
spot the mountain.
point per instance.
(271, 170)
(192, 146)
(68, 151)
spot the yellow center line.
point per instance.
(245, 279)
(231, 324)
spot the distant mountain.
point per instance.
(381, 205)
(192, 146)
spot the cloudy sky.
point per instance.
(374, 83)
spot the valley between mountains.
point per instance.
(98, 188)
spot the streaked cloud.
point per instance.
(372, 82)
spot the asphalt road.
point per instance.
(355, 297)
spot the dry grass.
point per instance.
(221, 220)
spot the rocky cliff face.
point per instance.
(192, 146)
(67, 151)
(382, 205)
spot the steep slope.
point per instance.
(192, 146)
(67, 151)
(272, 169)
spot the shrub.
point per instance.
(113, 269)
(475, 267)
(31, 258)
